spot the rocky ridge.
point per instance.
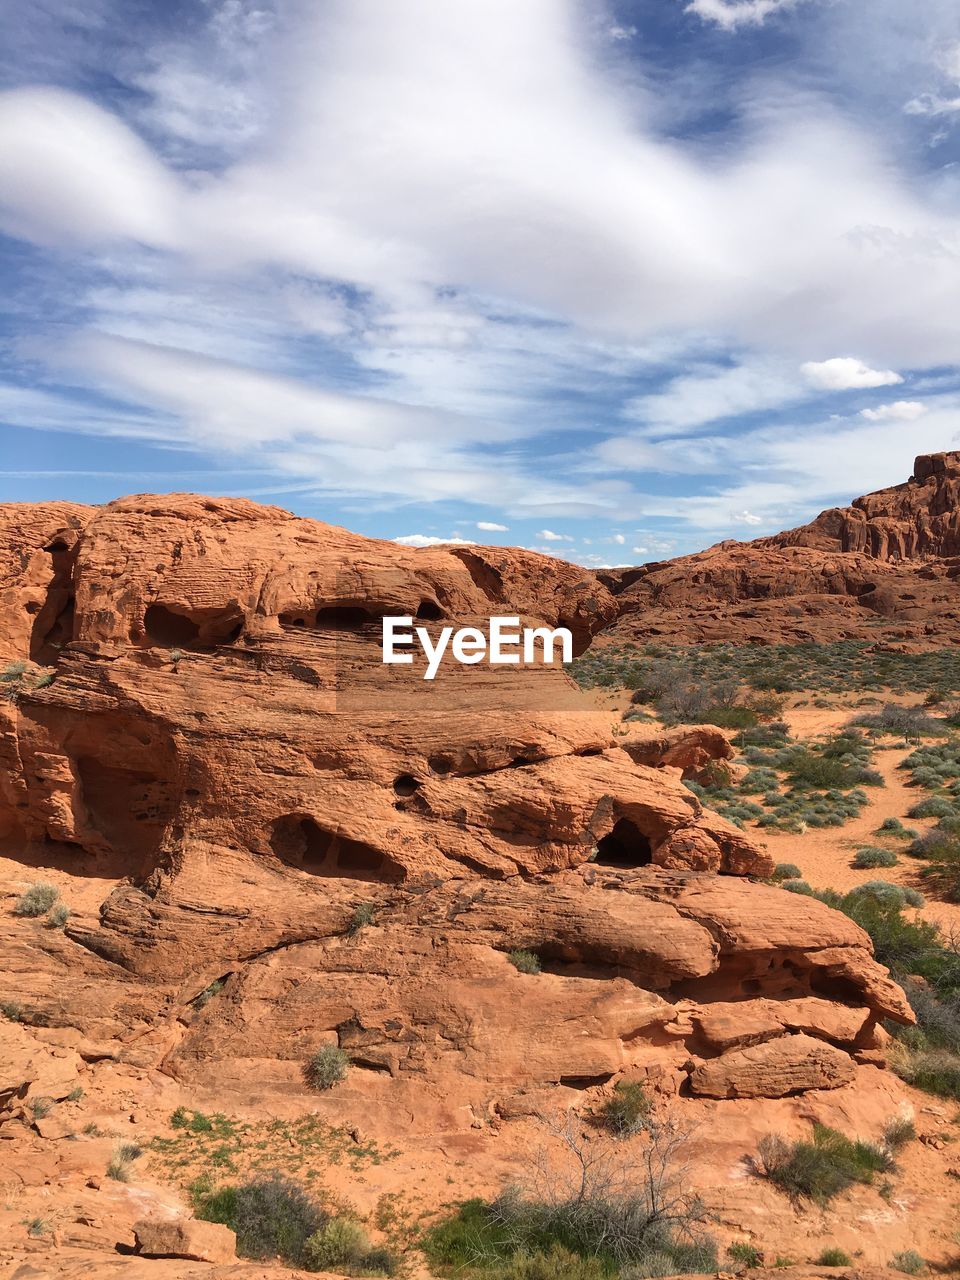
(884, 568)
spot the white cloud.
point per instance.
(845, 373)
(640, 551)
(488, 526)
(425, 540)
(730, 14)
(899, 411)
(618, 32)
(745, 517)
(692, 399)
(549, 536)
(619, 539)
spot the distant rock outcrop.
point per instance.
(884, 568)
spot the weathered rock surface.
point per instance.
(774, 1069)
(185, 1238)
(352, 851)
(885, 567)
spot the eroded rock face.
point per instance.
(884, 567)
(354, 851)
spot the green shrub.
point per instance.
(884, 891)
(898, 1132)
(124, 1154)
(868, 858)
(342, 1245)
(786, 871)
(58, 916)
(746, 1253)
(628, 1110)
(327, 1067)
(525, 961)
(821, 1168)
(909, 1262)
(936, 1072)
(933, 807)
(906, 722)
(797, 886)
(363, 914)
(273, 1217)
(557, 1263)
(37, 900)
(834, 1258)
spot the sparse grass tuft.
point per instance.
(834, 1258)
(525, 961)
(909, 1262)
(628, 1111)
(819, 1169)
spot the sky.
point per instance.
(614, 281)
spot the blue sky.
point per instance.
(614, 281)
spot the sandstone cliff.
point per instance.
(883, 568)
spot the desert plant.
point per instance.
(58, 916)
(628, 1111)
(748, 1254)
(41, 1107)
(37, 1227)
(933, 807)
(834, 1258)
(342, 1245)
(11, 1010)
(909, 1262)
(786, 871)
(121, 1161)
(627, 1212)
(898, 1132)
(525, 961)
(272, 1216)
(207, 994)
(797, 886)
(822, 1167)
(868, 858)
(363, 914)
(327, 1067)
(36, 900)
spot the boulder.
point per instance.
(773, 1069)
(185, 1238)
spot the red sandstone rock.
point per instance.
(185, 1238)
(773, 1069)
(884, 567)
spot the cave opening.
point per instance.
(430, 611)
(301, 842)
(624, 846)
(169, 629)
(345, 617)
(406, 785)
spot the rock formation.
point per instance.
(883, 568)
(198, 705)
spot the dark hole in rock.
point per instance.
(430, 611)
(58, 544)
(169, 629)
(344, 617)
(406, 785)
(625, 846)
(440, 764)
(303, 843)
(867, 588)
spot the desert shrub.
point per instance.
(936, 1071)
(894, 827)
(273, 1217)
(869, 857)
(906, 722)
(37, 900)
(797, 886)
(786, 871)
(58, 916)
(898, 1132)
(342, 1245)
(525, 961)
(628, 1110)
(557, 1263)
(13, 672)
(629, 1215)
(121, 1161)
(739, 716)
(363, 914)
(11, 1010)
(327, 1067)
(41, 1107)
(834, 1258)
(745, 1253)
(909, 1262)
(933, 807)
(822, 1167)
(885, 892)
(208, 993)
